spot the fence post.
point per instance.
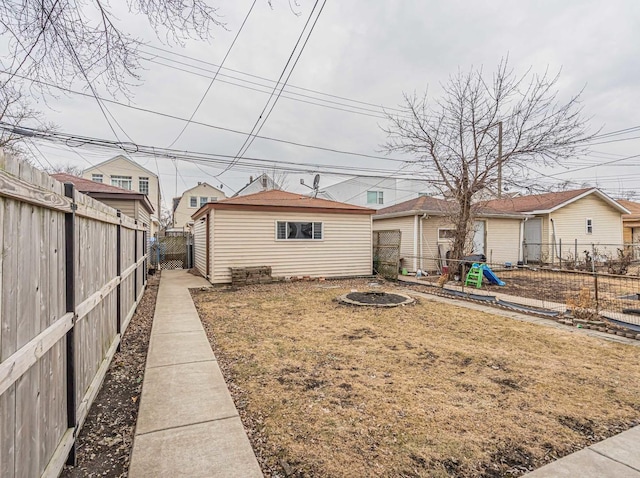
(145, 269)
(525, 253)
(119, 274)
(595, 274)
(463, 275)
(135, 261)
(70, 303)
(560, 251)
(576, 251)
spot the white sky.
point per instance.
(371, 52)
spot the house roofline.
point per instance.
(272, 208)
(418, 212)
(612, 202)
(104, 163)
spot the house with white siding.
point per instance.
(192, 200)
(295, 235)
(559, 220)
(130, 203)
(427, 232)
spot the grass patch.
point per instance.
(328, 390)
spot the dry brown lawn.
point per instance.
(327, 390)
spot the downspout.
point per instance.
(424, 216)
(415, 243)
(554, 253)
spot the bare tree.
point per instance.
(59, 40)
(15, 109)
(482, 129)
(66, 168)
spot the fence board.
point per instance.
(35, 438)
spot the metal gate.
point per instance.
(172, 251)
(386, 253)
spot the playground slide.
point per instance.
(491, 277)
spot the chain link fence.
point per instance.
(386, 253)
(172, 251)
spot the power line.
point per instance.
(214, 77)
(240, 151)
(289, 86)
(264, 121)
(208, 125)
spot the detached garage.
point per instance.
(293, 234)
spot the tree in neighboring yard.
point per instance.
(16, 110)
(482, 129)
(58, 41)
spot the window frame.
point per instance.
(442, 239)
(313, 231)
(379, 196)
(193, 201)
(95, 176)
(206, 200)
(588, 225)
(141, 180)
(122, 180)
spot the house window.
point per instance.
(123, 182)
(589, 225)
(96, 177)
(143, 185)
(299, 230)
(203, 201)
(375, 197)
(193, 201)
(446, 234)
(213, 199)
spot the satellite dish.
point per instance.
(316, 181)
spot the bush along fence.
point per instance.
(591, 298)
(72, 271)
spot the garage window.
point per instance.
(289, 230)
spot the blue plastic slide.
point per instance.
(491, 277)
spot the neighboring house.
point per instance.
(375, 192)
(261, 183)
(130, 203)
(630, 222)
(560, 219)
(294, 234)
(427, 232)
(192, 200)
(124, 173)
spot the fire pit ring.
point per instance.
(376, 299)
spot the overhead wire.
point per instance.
(214, 77)
(293, 51)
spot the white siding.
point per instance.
(199, 245)
(570, 223)
(248, 238)
(182, 214)
(503, 240)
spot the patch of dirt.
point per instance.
(376, 298)
(105, 441)
(433, 390)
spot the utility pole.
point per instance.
(499, 159)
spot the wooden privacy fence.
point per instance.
(72, 271)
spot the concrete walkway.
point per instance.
(187, 424)
(616, 457)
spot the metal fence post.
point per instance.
(70, 302)
(560, 251)
(135, 261)
(145, 269)
(119, 274)
(463, 275)
(525, 252)
(576, 251)
(595, 275)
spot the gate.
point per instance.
(172, 251)
(386, 253)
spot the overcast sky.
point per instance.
(370, 52)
